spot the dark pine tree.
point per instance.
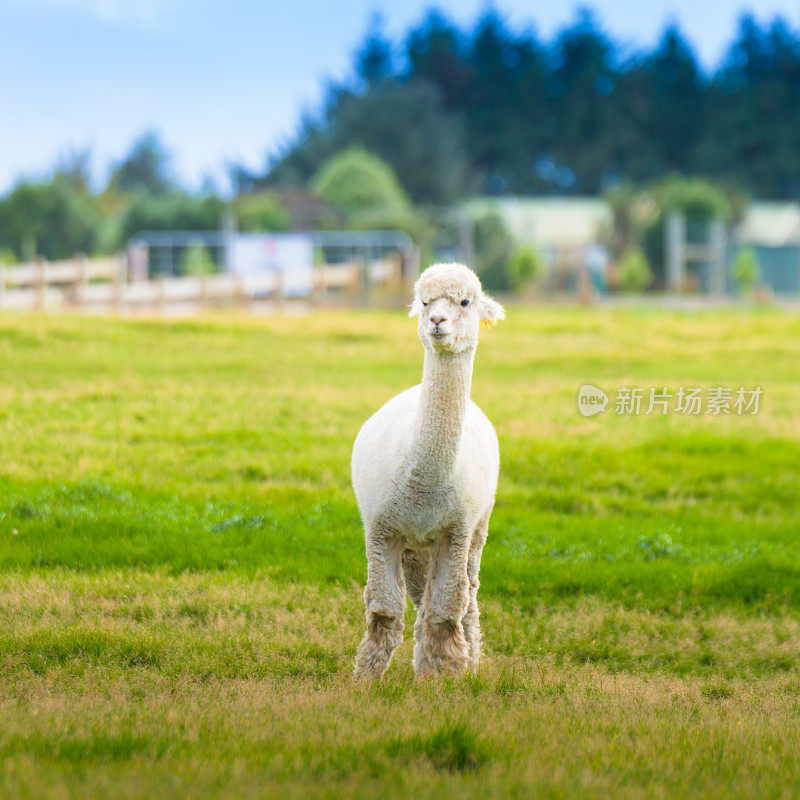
(584, 106)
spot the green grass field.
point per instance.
(181, 563)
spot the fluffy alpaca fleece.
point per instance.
(425, 470)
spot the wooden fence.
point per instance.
(102, 285)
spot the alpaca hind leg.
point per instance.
(440, 645)
(384, 598)
(415, 570)
(416, 564)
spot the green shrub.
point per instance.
(54, 220)
(526, 265)
(261, 212)
(746, 270)
(197, 260)
(355, 180)
(493, 247)
(7, 256)
(634, 272)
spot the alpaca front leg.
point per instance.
(384, 598)
(471, 621)
(440, 645)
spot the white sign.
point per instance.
(291, 254)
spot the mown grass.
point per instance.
(181, 562)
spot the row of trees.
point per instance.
(490, 110)
(62, 215)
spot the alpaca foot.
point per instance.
(474, 656)
(420, 661)
(474, 645)
(384, 634)
(443, 649)
(475, 659)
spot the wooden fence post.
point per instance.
(117, 280)
(38, 284)
(80, 279)
(317, 289)
(240, 293)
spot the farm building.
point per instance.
(567, 230)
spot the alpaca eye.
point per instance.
(465, 303)
(424, 303)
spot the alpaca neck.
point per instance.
(446, 381)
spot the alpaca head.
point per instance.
(451, 307)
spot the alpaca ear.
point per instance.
(416, 307)
(490, 310)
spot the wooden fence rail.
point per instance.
(102, 284)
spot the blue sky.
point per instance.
(230, 80)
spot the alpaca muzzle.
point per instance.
(439, 329)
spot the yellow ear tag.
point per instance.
(486, 324)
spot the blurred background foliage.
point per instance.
(489, 109)
(633, 271)
(746, 270)
(355, 180)
(262, 211)
(448, 113)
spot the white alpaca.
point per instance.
(425, 470)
